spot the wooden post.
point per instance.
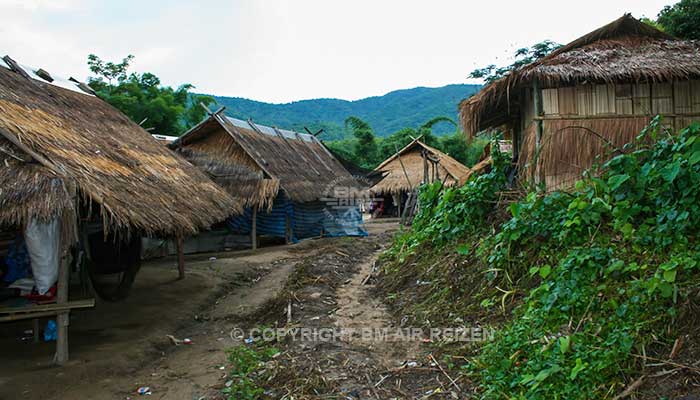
(62, 320)
(426, 178)
(254, 229)
(539, 124)
(398, 155)
(399, 202)
(180, 244)
(288, 230)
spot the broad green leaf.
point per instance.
(545, 270)
(694, 158)
(615, 181)
(670, 172)
(670, 276)
(564, 344)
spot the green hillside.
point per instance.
(386, 114)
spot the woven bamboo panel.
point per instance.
(567, 101)
(662, 98)
(604, 99)
(550, 101)
(640, 99)
(584, 100)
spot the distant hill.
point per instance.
(386, 114)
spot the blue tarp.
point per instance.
(307, 220)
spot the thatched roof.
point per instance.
(394, 178)
(253, 162)
(55, 136)
(626, 50)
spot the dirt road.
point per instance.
(119, 347)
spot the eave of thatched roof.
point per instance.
(626, 50)
(409, 162)
(56, 137)
(253, 161)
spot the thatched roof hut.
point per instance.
(255, 162)
(405, 170)
(604, 86)
(56, 137)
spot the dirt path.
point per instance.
(119, 348)
(366, 355)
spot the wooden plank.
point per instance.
(19, 317)
(35, 308)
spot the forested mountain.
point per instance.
(386, 114)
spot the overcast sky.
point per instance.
(281, 51)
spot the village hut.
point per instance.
(75, 173)
(402, 173)
(290, 184)
(566, 110)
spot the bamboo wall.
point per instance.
(678, 102)
(615, 111)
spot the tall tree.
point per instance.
(681, 19)
(365, 145)
(160, 109)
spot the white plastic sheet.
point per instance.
(43, 241)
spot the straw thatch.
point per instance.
(253, 162)
(54, 136)
(625, 50)
(394, 180)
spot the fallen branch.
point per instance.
(630, 388)
(445, 373)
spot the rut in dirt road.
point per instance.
(337, 348)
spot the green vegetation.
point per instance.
(681, 19)
(246, 362)
(386, 114)
(159, 109)
(583, 284)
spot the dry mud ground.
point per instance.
(118, 347)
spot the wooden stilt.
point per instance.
(288, 230)
(539, 112)
(399, 202)
(180, 257)
(254, 229)
(62, 320)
